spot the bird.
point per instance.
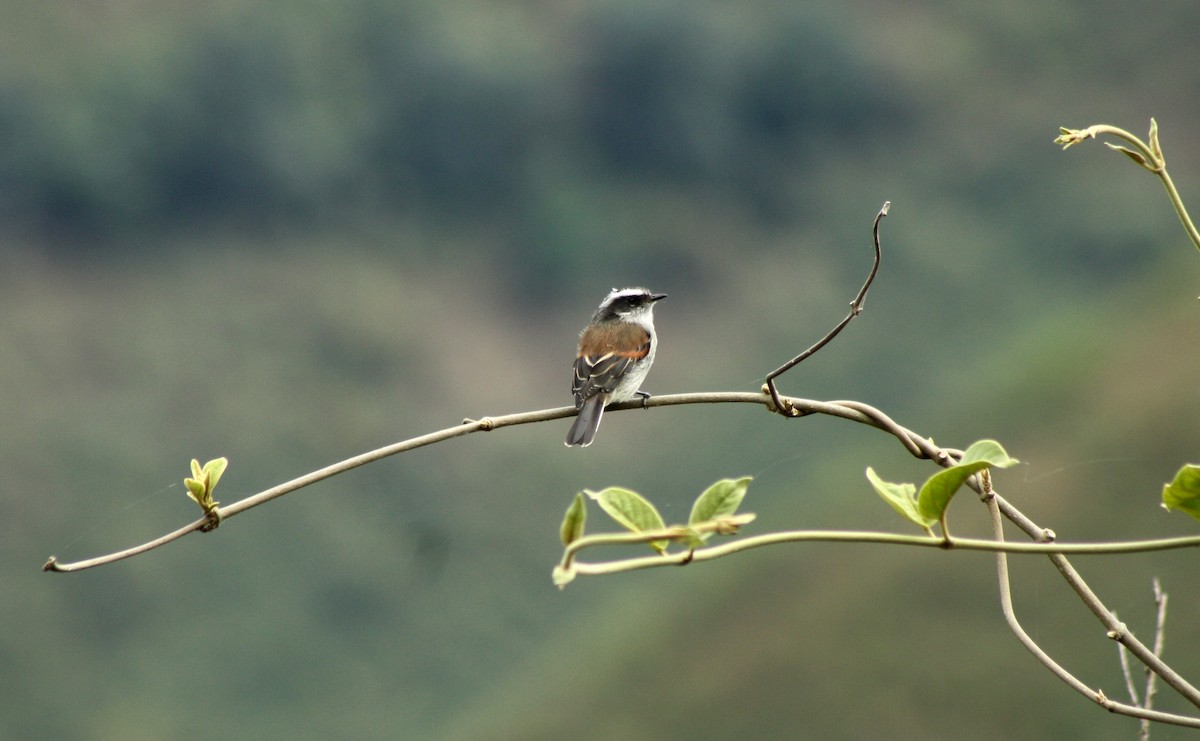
(615, 352)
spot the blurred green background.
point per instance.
(290, 232)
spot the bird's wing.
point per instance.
(601, 364)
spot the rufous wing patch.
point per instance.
(626, 340)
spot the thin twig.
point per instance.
(1160, 624)
(1126, 673)
(856, 307)
(1160, 601)
(1010, 617)
(1118, 631)
(232, 510)
(1115, 629)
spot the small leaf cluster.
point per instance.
(712, 512)
(1070, 137)
(200, 488)
(927, 507)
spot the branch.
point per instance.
(1043, 537)
(787, 406)
(853, 411)
(918, 446)
(1118, 631)
(846, 410)
(1127, 673)
(232, 510)
(856, 307)
(1055, 668)
(1115, 629)
(1160, 600)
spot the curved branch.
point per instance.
(851, 411)
(788, 406)
(236, 508)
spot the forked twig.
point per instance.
(1160, 623)
(856, 307)
(1097, 696)
(1160, 601)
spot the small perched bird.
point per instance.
(615, 352)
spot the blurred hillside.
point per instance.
(288, 233)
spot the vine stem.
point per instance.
(1149, 156)
(839, 536)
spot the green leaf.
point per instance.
(573, 522)
(902, 497)
(631, 510)
(1135, 156)
(719, 500)
(941, 487)
(990, 451)
(213, 469)
(196, 489)
(197, 472)
(1183, 493)
(937, 492)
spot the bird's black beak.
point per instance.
(657, 297)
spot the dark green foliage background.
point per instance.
(289, 232)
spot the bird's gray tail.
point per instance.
(584, 430)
